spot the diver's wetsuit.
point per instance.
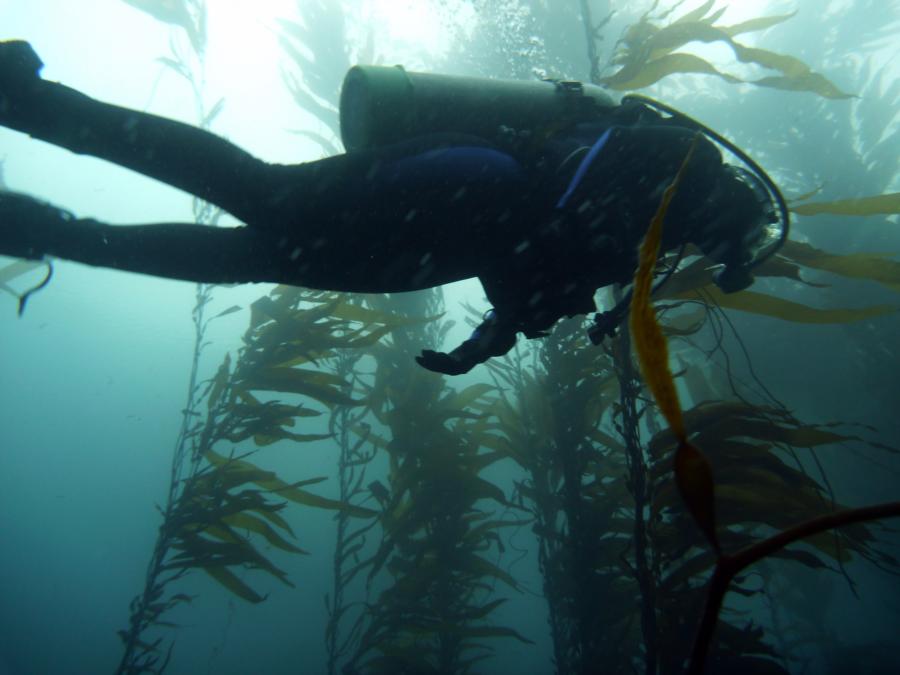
(541, 229)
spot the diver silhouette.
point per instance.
(542, 216)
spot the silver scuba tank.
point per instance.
(382, 105)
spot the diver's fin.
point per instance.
(20, 70)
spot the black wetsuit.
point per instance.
(542, 226)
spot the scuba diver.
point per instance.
(541, 190)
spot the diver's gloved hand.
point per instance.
(492, 337)
(442, 362)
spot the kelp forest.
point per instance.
(668, 500)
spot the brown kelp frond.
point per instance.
(877, 267)
(190, 15)
(436, 560)
(692, 471)
(271, 483)
(225, 505)
(647, 53)
(695, 282)
(787, 310)
(316, 49)
(885, 204)
(766, 491)
(761, 481)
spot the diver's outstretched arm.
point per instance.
(495, 336)
(219, 255)
(186, 157)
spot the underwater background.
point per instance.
(254, 479)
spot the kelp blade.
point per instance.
(693, 473)
(886, 204)
(649, 341)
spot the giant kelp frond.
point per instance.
(271, 483)
(877, 267)
(438, 529)
(885, 204)
(226, 505)
(291, 332)
(787, 310)
(189, 15)
(316, 47)
(692, 472)
(760, 479)
(554, 397)
(695, 282)
(211, 525)
(647, 53)
(767, 492)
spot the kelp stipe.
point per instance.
(219, 506)
(434, 615)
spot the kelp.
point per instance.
(695, 281)
(316, 48)
(356, 453)
(220, 505)
(553, 396)
(436, 529)
(694, 474)
(268, 481)
(886, 204)
(787, 310)
(306, 344)
(225, 503)
(877, 267)
(647, 53)
(201, 528)
(189, 15)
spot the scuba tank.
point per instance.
(383, 105)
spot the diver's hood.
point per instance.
(759, 240)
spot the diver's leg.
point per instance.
(180, 155)
(31, 229)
